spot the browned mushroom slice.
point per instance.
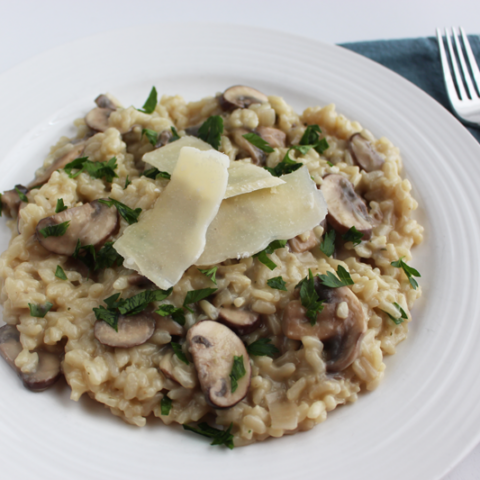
(174, 369)
(11, 201)
(133, 330)
(105, 101)
(193, 130)
(258, 156)
(91, 223)
(214, 347)
(60, 162)
(304, 242)
(346, 209)
(242, 322)
(97, 119)
(168, 325)
(240, 96)
(364, 153)
(138, 280)
(341, 325)
(273, 136)
(48, 369)
(164, 138)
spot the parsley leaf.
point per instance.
(177, 349)
(39, 311)
(286, 166)
(261, 348)
(106, 257)
(152, 135)
(60, 206)
(262, 256)
(22, 195)
(60, 273)
(165, 405)
(210, 273)
(238, 371)
(211, 131)
(177, 314)
(151, 102)
(410, 272)
(107, 315)
(258, 142)
(327, 246)
(55, 230)
(127, 183)
(155, 173)
(353, 235)
(175, 135)
(311, 137)
(331, 281)
(194, 296)
(220, 437)
(278, 283)
(94, 169)
(403, 315)
(309, 297)
(127, 213)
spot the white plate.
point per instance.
(423, 418)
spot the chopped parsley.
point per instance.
(211, 131)
(220, 437)
(287, 165)
(177, 350)
(60, 273)
(262, 348)
(262, 256)
(127, 183)
(258, 142)
(403, 315)
(311, 138)
(55, 230)
(177, 314)
(60, 206)
(353, 235)
(327, 245)
(106, 257)
(194, 296)
(155, 173)
(152, 135)
(165, 405)
(175, 135)
(151, 102)
(210, 273)
(238, 371)
(410, 272)
(277, 283)
(331, 281)
(22, 195)
(94, 169)
(309, 297)
(39, 311)
(127, 213)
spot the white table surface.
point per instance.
(29, 27)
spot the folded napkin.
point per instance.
(418, 60)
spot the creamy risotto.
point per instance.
(225, 264)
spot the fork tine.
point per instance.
(451, 90)
(466, 74)
(471, 60)
(456, 71)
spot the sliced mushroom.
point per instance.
(346, 209)
(48, 369)
(213, 347)
(341, 325)
(241, 322)
(91, 223)
(174, 369)
(138, 280)
(364, 153)
(273, 136)
(258, 156)
(97, 119)
(11, 201)
(168, 325)
(304, 242)
(240, 96)
(60, 162)
(105, 100)
(193, 130)
(164, 138)
(133, 330)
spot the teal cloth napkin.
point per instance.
(418, 60)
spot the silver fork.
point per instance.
(466, 105)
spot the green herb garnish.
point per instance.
(211, 131)
(155, 173)
(278, 283)
(175, 135)
(152, 135)
(106, 257)
(55, 230)
(286, 166)
(403, 315)
(177, 349)
(151, 102)
(353, 235)
(262, 256)
(39, 311)
(127, 213)
(311, 138)
(220, 437)
(165, 405)
(327, 246)
(210, 273)
(60, 273)
(238, 371)
(127, 183)
(331, 281)
(177, 314)
(60, 206)
(22, 195)
(194, 296)
(262, 348)
(309, 297)
(410, 272)
(94, 169)
(258, 142)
